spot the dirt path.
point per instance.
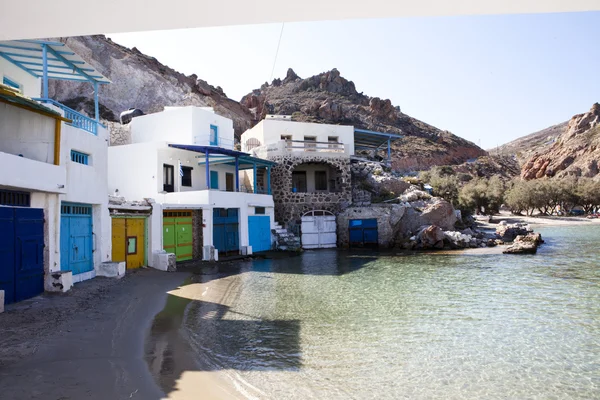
(88, 343)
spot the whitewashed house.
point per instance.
(54, 223)
(312, 180)
(184, 159)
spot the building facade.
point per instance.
(183, 159)
(53, 203)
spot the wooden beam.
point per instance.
(57, 129)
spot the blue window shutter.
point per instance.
(79, 157)
(9, 82)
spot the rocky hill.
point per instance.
(525, 147)
(139, 81)
(330, 98)
(142, 82)
(504, 166)
(575, 152)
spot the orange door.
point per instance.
(129, 241)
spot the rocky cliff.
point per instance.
(576, 152)
(142, 82)
(139, 81)
(330, 98)
(525, 147)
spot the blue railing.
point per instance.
(78, 120)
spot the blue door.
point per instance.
(76, 253)
(259, 232)
(226, 230)
(363, 232)
(21, 253)
(214, 179)
(214, 135)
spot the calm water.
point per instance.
(335, 325)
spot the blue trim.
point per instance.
(43, 42)
(79, 157)
(96, 107)
(49, 66)
(9, 82)
(254, 168)
(219, 150)
(214, 180)
(237, 174)
(206, 169)
(391, 135)
(268, 180)
(214, 141)
(78, 120)
(7, 46)
(18, 64)
(45, 72)
(67, 62)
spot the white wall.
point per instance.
(51, 205)
(269, 131)
(27, 133)
(132, 168)
(182, 125)
(30, 85)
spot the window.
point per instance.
(214, 135)
(299, 181)
(252, 143)
(12, 83)
(13, 198)
(333, 142)
(288, 140)
(186, 178)
(79, 157)
(310, 143)
(132, 245)
(259, 210)
(168, 185)
(320, 180)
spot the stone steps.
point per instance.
(285, 240)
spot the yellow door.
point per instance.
(135, 243)
(118, 239)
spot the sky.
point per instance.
(488, 79)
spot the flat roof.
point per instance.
(372, 139)
(63, 63)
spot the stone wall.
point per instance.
(198, 240)
(290, 206)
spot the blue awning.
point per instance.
(225, 156)
(62, 62)
(364, 138)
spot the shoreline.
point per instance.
(543, 220)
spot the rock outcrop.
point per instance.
(330, 98)
(576, 152)
(508, 232)
(139, 81)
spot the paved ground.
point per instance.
(86, 344)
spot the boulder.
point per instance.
(431, 236)
(530, 238)
(521, 248)
(508, 233)
(440, 213)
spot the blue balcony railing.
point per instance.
(78, 120)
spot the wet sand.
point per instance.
(92, 349)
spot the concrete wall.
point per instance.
(270, 131)
(30, 85)
(27, 133)
(182, 125)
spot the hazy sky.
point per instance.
(489, 79)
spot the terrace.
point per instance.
(54, 60)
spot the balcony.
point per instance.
(301, 148)
(78, 120)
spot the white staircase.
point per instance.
(284, 239)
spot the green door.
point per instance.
(178, 235)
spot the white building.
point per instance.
(54, 220)
(183, 158)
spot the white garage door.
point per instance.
(318, 230)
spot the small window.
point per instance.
(333, 142)
(79, 157)
(320, 180)
(186, 176)
(14, 198)
(12, 83)
(168, 185)
(310, 143)
(259, 210)
(299, 181)
(131, 244)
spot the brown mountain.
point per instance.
(142, 82)
(575, 152)
(330, 98)
(525, 147)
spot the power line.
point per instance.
(274, 61)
